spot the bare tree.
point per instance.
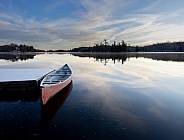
(106, 43)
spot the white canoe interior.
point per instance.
(57, 76)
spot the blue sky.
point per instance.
(65, 24)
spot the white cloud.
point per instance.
(152, 28)
(97, 20)
(152, 5)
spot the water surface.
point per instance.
(112, 96)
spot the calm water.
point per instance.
(120, 96)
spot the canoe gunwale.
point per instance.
(54, 73)
(53, 83)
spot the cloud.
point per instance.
(152, 28)
(92, 22)
(152, 6)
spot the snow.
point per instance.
(22, 74)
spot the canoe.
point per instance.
(54, 82)
(49, 110)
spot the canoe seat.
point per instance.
(63, 71)
(60, 74)
(50, 83)
(47, 81)
(54, 81)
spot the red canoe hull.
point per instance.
(49, 91)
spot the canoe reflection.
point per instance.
(20, 95)
(49, 110)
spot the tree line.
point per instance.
(104, 46)
(122, 46)
(162, 47)
(18, 48)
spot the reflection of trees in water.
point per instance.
(115, 58)
(122, 57)
(175, 57)
(16, 57)
(104, 57)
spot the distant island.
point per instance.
(124, 47)
(104, 46)
(15, 48)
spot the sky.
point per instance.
(67, 24)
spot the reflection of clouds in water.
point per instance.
(148, 73)
(120, 92)
(115, 105)
(126, 108)
(158, 113)
(136, 95)
(157, 68)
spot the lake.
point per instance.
(112, 96)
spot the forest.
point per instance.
(12, 47)
(122, 46)
(104, 46)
